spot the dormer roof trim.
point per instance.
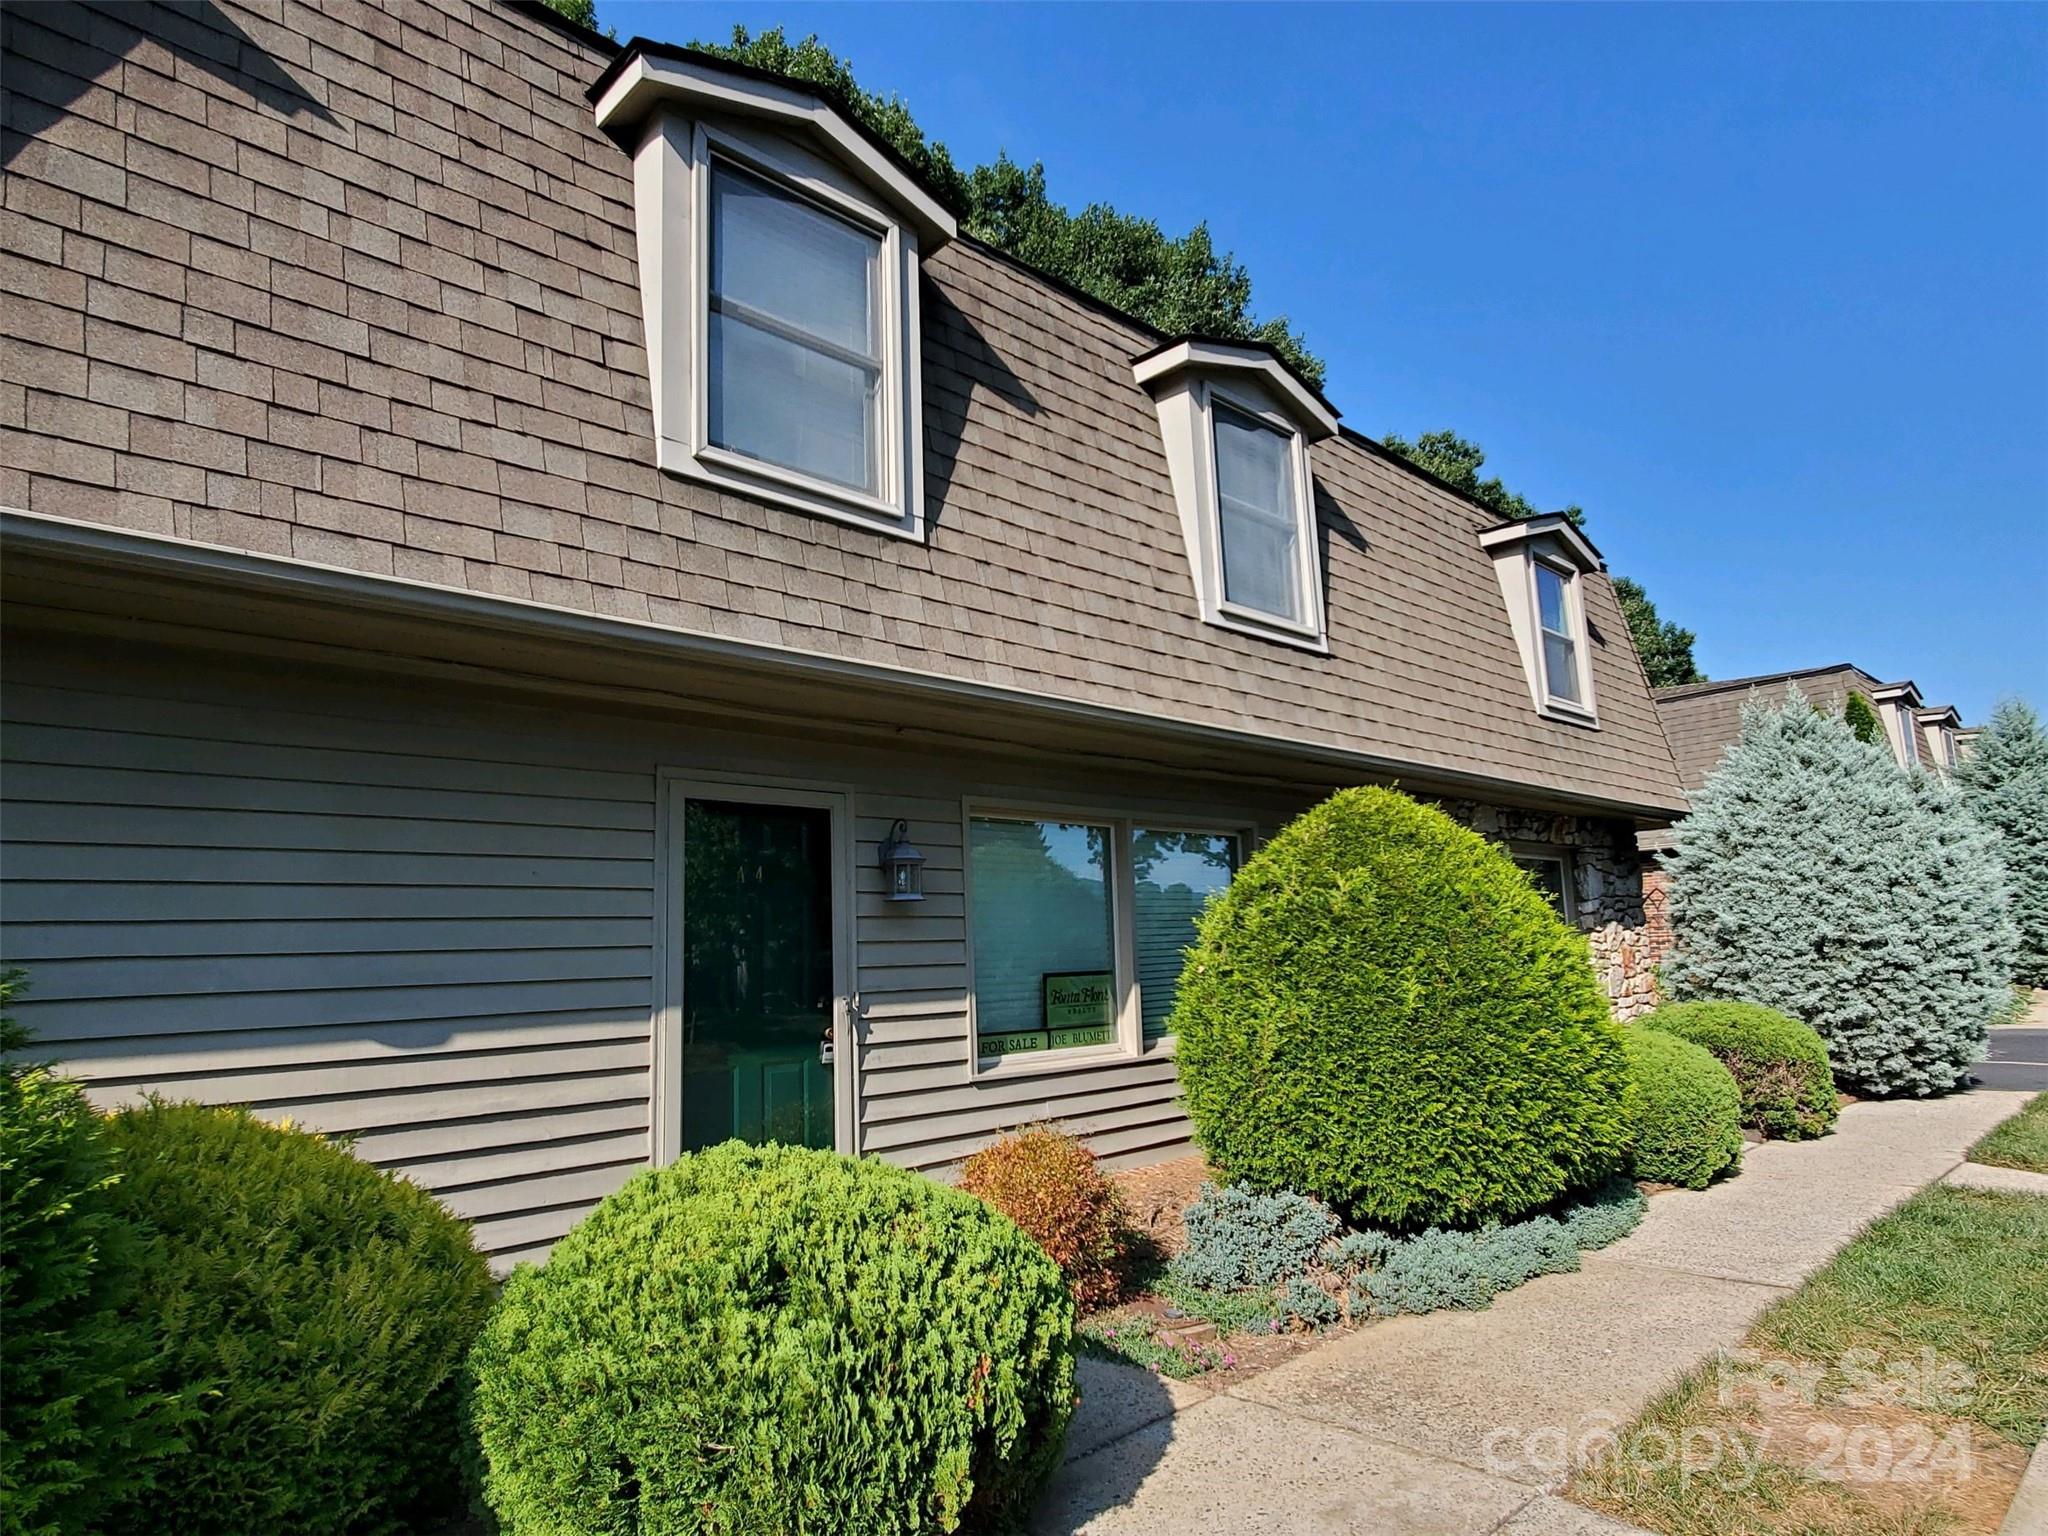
(1309, 411)
(1553, 525)
(1939, 714)
(1907, 693)
(647, 75)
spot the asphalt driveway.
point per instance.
(2018, 1058)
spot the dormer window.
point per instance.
(1236, 425)
(795, 369)
(1259, 515)
(1542, 564)
(1556, 617)
(779, 248)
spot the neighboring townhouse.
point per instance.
(558, 610)
(1703, 720)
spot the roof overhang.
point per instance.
(157, 589)
(1315, 416)
(1939, 714)
(1551, 525)
(1906, 693)
(647, 77)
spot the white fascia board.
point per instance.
(704, 90)
(1315, 419)
(1906, 693)
(1551, 525)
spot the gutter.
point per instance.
(93, 544)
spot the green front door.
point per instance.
(758, 995)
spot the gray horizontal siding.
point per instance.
(434, 942)
(424, 920)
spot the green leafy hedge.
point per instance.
(1780, 1065)
(776, 1339)
(1383, 1013)
(77, 1433)
(1689, 1119)
(318, 1308)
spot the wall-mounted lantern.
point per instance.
(902, 865)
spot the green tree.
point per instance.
(1457, 461)
(1666, 648)
(582, 12)
(1861, 717)
(2005, 784)
(1815, 878)
(1172, 283)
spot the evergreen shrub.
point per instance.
(1780, 1066)
(1381, 1012)
(1860, 715)
(317, 1308)
(1237, 1238)
(1604, 1216)
(1816, 878)
(2005, 785)
(1259, 1247)
(759, 1339)
(1047, 1182)
(78, 1431)
(1689, 1125)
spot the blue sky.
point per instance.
(1763, 288)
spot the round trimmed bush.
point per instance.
(776, 1339)
(1048, 1183)
(76, 1433)
(1382, 1012)
(1689, 1115)
(315, 1308)
(1780, 1066)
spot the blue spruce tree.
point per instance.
(2005, 784)
(1814, 877)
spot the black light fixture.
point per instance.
(902, 864)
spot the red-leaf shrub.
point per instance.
(1047, 1182)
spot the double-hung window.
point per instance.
(1069, 917)
(795, 357)
(1557, 623)
(1258, 515)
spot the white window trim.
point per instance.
(673, 169)
(1569, 577)
(1130, 1043)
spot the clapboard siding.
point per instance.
(425, 919)
(436, 941)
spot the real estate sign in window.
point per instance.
(1044, 935)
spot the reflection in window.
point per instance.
(795, 351)
(1176, 874)
(1257, 514)
(1044, 944)
(1560, 648)
(1550, 877)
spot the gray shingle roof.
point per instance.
(362, 289)
(1702, 720)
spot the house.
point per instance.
(559, 610)
(1703, 720)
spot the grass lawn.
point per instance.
(1899, 1392)
(2020, 1142)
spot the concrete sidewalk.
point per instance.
(1460, 1422)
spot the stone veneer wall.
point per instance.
(1618, 893)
